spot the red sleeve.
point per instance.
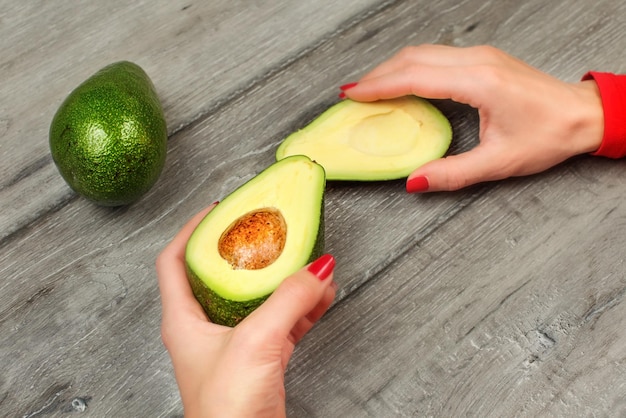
(613, 94)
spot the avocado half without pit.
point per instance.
(382, 140)
(267, 229)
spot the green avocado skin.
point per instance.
(229, 312)
(108, 138)
(219, 310)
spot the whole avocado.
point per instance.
(109, 137)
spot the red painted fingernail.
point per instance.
(342, 95)
(322, 267)
(216, 202)
(347, 86)
(417, 184)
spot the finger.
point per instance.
(426, 54)
(437, 72)
(171, 272)
(454, 172)
(426, 81)
(295, 298)
(323, 305)
(305, 324)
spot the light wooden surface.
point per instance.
(504, 299)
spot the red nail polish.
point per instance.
(322, 267)
(347, 86)
(215, 203)
(417, 184)
(342, 95)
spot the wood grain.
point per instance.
(199, 56)
(504, 299)
(519, 319)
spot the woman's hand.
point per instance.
(238, 371)
(529, 121)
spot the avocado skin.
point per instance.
(219, 310)
(108, 138)
(228, 312)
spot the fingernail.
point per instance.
(342, 95)
(417, 184)
(347, 86)
(322, 267)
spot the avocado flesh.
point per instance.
(382, 140)
(109, 136)
(293, 191)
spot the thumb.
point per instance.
(296, 297)
(457, 171)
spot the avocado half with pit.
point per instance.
(382, 140)
(258, 235)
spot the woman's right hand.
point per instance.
(529, 120)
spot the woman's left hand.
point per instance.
(238, 371)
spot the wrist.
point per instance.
(589, 127)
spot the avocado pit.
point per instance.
(254, 240)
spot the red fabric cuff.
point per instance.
(613, 94)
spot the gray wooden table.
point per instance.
(501, 299)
